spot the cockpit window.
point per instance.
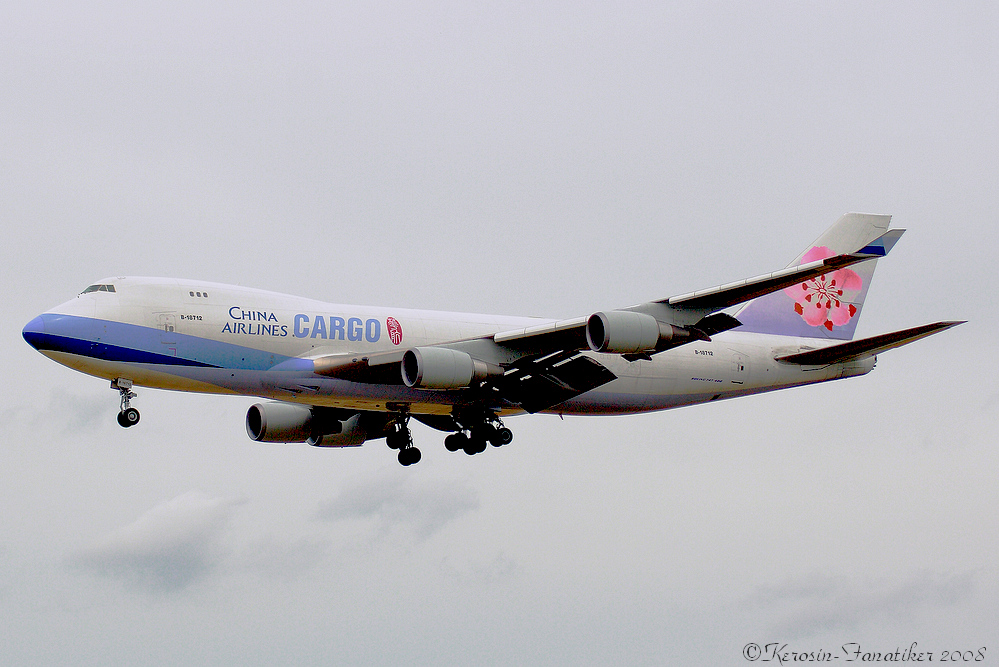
(98, 288)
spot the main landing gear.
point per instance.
(473, 440)
(128, 416)
(476, 429)
(400, 437)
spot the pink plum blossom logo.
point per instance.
(825, 300)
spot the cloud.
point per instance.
(77, 412)
(823, 603)
(283, 559)
(499, 569)
(397, 501)
(173, 545)
(5, 573)
(65, 413)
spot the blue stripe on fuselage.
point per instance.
(85, 348)
(130, 343)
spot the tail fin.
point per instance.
(829, 306)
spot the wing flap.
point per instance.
(865, 347)
(540, 383)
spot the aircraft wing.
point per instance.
(538, 383)
(693, 311)
(564, 334)
(731, 294)
(539, 367)
(535, 382)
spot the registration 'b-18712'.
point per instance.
(339, 375)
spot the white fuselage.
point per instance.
(205, 337)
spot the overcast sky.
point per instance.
(519, 158)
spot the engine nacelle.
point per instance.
(627, 332)
(351, 434)
(279, 422)
(288, 422)
(443, 368)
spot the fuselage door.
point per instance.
(167, 324)
(740, 368)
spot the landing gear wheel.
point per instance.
(476, 444)
(128, 417)
(480, 427)
(502, 436)
(409, 456)
(397, 439)
(455, 441)
(481, 435)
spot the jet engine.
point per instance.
(627, 332)
(443, 368)
(279, 422)
(317, 426)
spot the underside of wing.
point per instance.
(534, 382)
(540, 383)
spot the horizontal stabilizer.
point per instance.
(865, 347)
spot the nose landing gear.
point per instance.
(127, 416)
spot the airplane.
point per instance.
(340, 375)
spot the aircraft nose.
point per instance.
(33, 331)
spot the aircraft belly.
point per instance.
(145, 375)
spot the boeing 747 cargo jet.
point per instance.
(339, 375)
